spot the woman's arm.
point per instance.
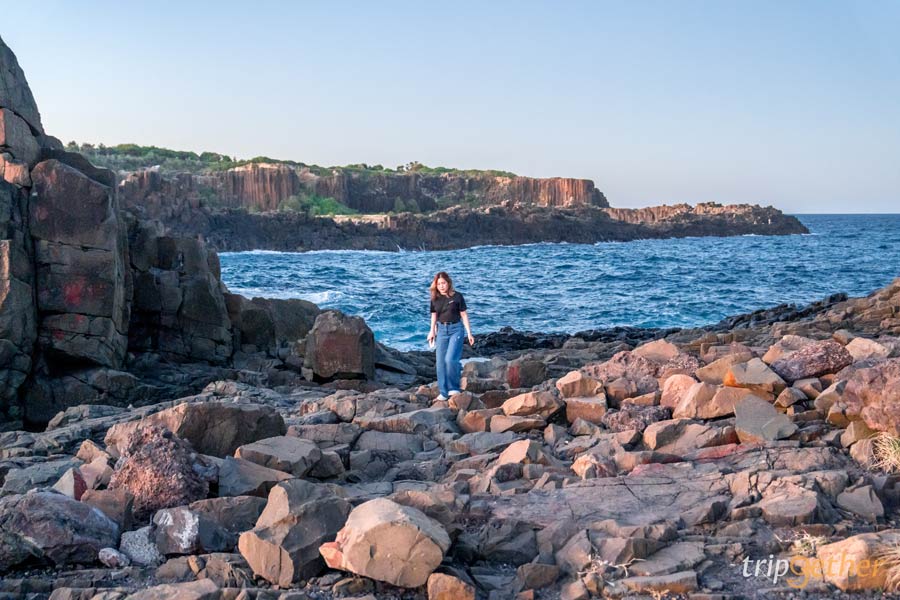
(464, 315)
(432, 332)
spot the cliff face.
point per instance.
(262, 187)
(460, 227)
(656, 215)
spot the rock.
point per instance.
(447, 587)
(52, 528)
(658, 351)
(113, 559)
(71, 484)
(80, 279)
(202, 589)
(388, 542)
(299, 517)
(787, 504)
(235, 425)
(856, 431)
(632, 417)
(784, 347)
(589, 408)
(680, 556)
(289, 454)
(523, 452)
(754, 375)
(534, 576)
(340, 347)
(183, 531)
(139, 547)
(855, 563)
(872, 393)
(501, 423)
(789, 397)
(576, 384)
(118, 505)
(542, 404)
(757, 421)
(715, 372)
(706, 401)
(509, 541)
(525, 372)
(864, 349)
(159, 470)
(862, 501)
(682, 582)
(238, 477)
(639, 371)
(236, 514)
(15, 135)
(813, 360)
(674, 389)
(44, 473)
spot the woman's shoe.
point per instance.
(441, 398)
(454, 392)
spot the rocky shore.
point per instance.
(163, 438)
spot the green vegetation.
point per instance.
(132, 157)
(315, 205)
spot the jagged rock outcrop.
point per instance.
(100, 306)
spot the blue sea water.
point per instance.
(573, 287)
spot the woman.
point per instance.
(448, 308)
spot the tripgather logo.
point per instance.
(798, 571)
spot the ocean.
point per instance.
(573, 287)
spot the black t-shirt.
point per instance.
(448, 307)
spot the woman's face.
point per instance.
(442, 285)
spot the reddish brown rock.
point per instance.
(577, 384)
(872, 393)
(442, 586)
(340, 347)
(813, 360)
(591, 409)
(542, 404)
(632, 417)
(160, 470)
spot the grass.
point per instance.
(890, 555)
(806, 544)
(315, 205)
(886, 453)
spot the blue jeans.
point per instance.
(448, 351)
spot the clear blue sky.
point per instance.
(791, 103)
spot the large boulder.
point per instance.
(388, 542)
(159, 470)
(340, 347)
(299, 517)
(213, 428)
(858, 562)
(52, 528)
(813, 360)
(872, 393)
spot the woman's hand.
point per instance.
(471, 340)
(431, 337)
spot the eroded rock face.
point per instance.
(388, 542)
(53, 528)
(340, 347)
(80, 248)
